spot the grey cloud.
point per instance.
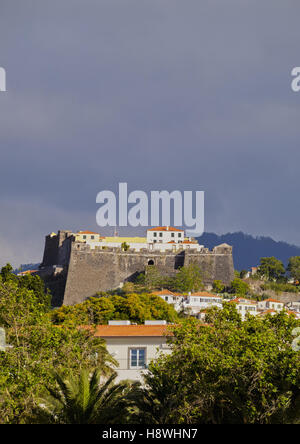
(161, 94)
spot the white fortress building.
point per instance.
(158, 238)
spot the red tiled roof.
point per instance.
(272, 300)
(189, 242)
(205, 293)
(163, 292)
(270, 310)
(28, 271)
(242, 301)
(87, 232)
(164, 229)
(104, 331)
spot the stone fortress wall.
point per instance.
(73, 271)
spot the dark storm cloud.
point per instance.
(162, 94)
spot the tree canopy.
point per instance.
(99, 310)
(230, 372)
(294, 267)
(271, 268)
(37, 349)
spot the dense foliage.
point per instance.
(230, 372)
(238, 286)
(187, 278)
(294, 267)
(99, 310)
(37, 349)
(271, 268)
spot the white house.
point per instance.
(87, 236)
(245, 306)
(295, 305)
(195, 302)
(164, 235)
(270, 304)
(134, 346)
(176, 299)
(167, 238)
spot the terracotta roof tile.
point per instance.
(163, 292)
(130, 330)
(164, 229)
(272, 300)
(205, 293)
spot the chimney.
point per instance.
(118, 322)
(160, 322)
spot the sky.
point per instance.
(161, 94)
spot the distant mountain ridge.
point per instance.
(247, 249)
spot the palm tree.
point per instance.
(83, 399)
(157, 401)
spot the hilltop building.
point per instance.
(77, 265)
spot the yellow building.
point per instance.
(128, 240)
(87, 236)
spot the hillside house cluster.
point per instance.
(195, 304)
(135, 346)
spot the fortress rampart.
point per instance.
(73, 271)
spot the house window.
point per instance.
(137, 358)
(160, 234)
(172, 235)
(84, 236)
(92, 237)
(154, 234)
(179, 234)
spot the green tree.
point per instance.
(125, 246)
(82, 399)
(188, 278)
(99, 310)
(294, 267)
(271, 268)
(230, 372)
(36, 284)
(218, 286)
(153, 279)
(38, 347)
(7, 273)
(238, 286)
(157, 400)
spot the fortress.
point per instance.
(78, 265)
